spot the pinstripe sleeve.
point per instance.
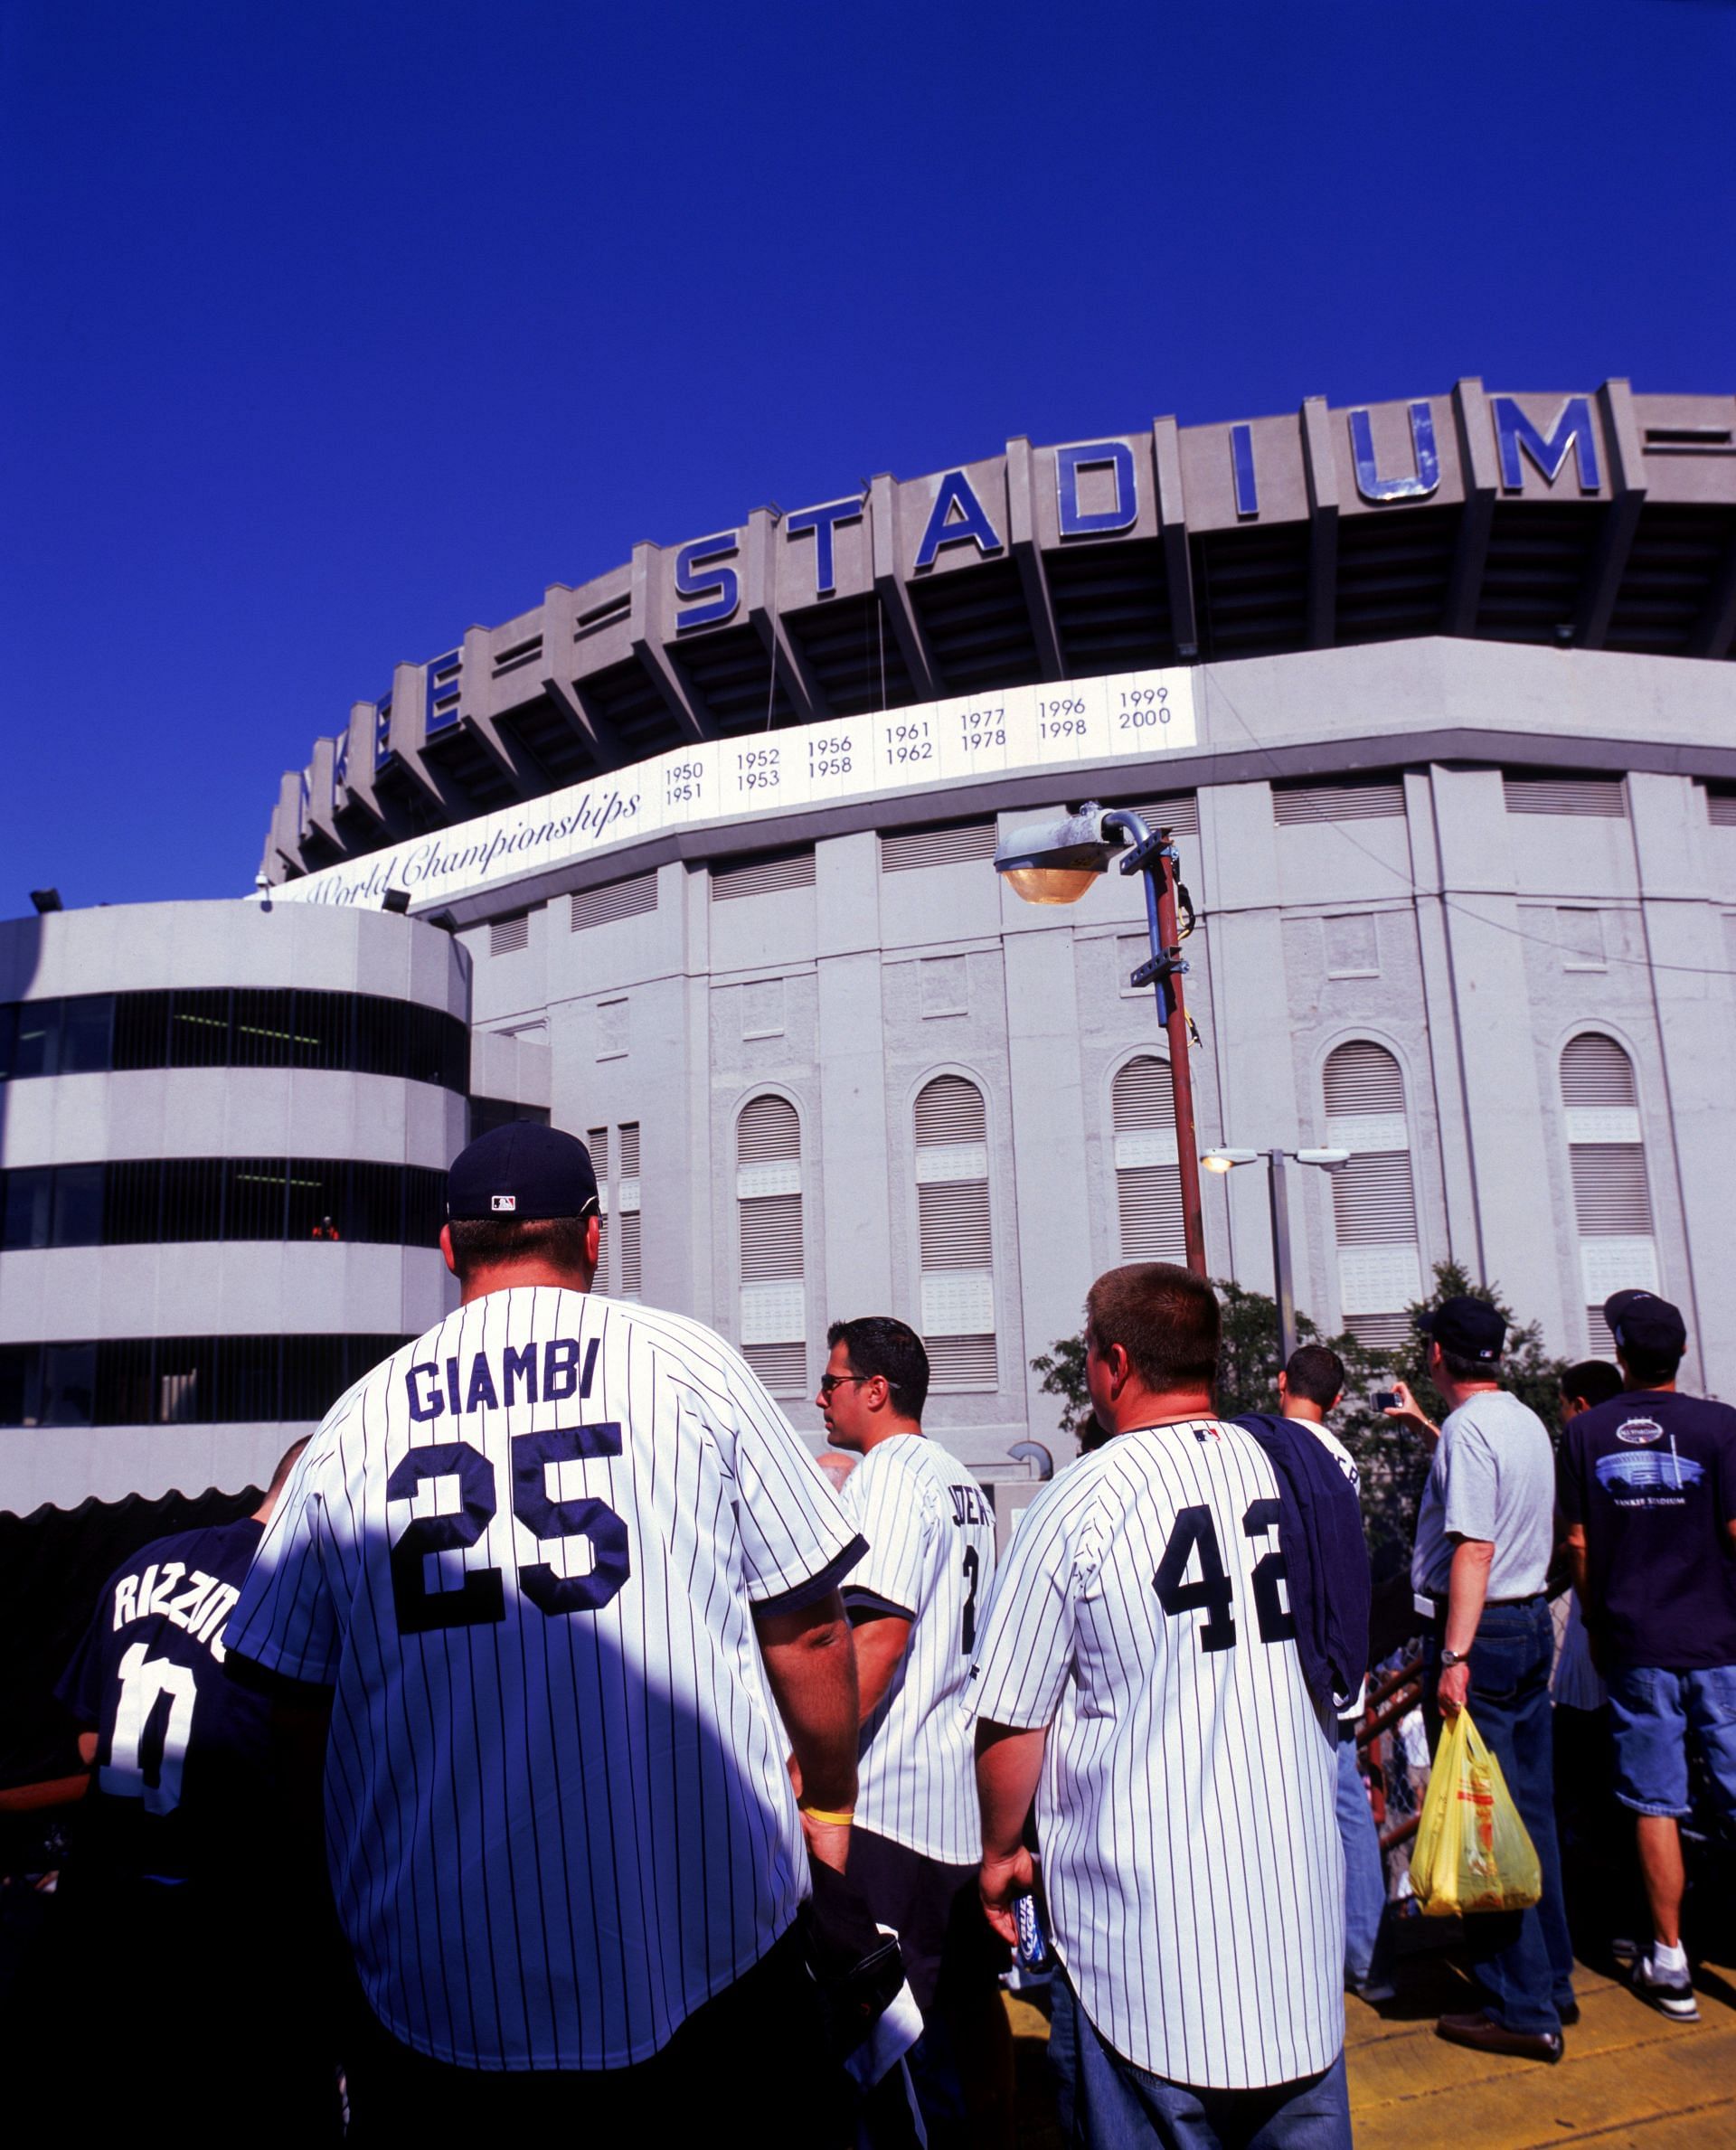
(1027, 1643)
(287, 1617)
(887, 1507)
(796, 1538)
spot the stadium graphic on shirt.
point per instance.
(1649, 1471)
(692, 857)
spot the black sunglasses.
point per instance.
(828, 1381)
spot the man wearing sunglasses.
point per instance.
(914, 1603)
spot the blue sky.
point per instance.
(328, 331)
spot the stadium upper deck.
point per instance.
(1600, 521)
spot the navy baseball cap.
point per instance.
(1644, 1322)
(1469, 1328)
(522, 1171)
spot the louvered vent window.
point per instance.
(769, 1198)
(506, 937)
(1293, 804)
(1721, 805)
(1612, 1200)
(763, 876)
(952, 843)
(619, 899)
(1179, 813)
(627, 1196)
(956, 1245)
(1596, 798)
(597, 1142)
(1375, 1205)
(1147, 1173)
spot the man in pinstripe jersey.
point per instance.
(1138, 1673)
(565, 1583)
(913, 1604)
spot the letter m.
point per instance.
(520, 1367)
(1516, 437)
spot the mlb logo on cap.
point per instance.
(522, 1171)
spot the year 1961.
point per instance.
(909, 742)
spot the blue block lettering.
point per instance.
(1100, 454)
(697, 575)
(428, 1405)
(1516, 438)
(1370, 484)
(1241, 464)
(482, 1385)
(958, 517)
(822, 522)
(520, 1365)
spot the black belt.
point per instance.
(1434, 1607)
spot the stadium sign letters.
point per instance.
(710, 586)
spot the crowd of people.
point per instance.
(557, 1745)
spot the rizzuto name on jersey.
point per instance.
(201, 1608)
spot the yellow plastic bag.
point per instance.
(1472, 1852)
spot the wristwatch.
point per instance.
(1455, 1657)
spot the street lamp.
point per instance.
(1055, 861)
(1224, 1161)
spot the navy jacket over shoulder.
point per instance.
(1325, 1558)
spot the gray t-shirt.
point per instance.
(1493, 1477)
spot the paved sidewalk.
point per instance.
(1629, 2078)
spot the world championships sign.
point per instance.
(930, 745)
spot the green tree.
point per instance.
(1393, 1462)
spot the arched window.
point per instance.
(768, 1196)
(1612, 1200)
(1147, 1173)
(957, 1288)
(1375, 1201)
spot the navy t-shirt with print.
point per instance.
(1651, 1479)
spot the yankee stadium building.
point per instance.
(695, 860)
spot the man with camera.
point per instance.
(1485, 1533)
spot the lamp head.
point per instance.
(1056, 861)
(1327, 1160)
(1227, 1160)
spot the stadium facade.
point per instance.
(696, 860)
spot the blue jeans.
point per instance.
(1365, 1870)
(1524, 1960)
(1652, 1711)
(1106, 2103)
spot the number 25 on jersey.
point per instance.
(482, 1598)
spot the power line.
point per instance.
(1451, 902)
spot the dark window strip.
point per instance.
(150, 1201)
(183, 1381)
(242, 1026)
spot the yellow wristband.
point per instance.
(824, 1813)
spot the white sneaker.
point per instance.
(1671, 1993)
